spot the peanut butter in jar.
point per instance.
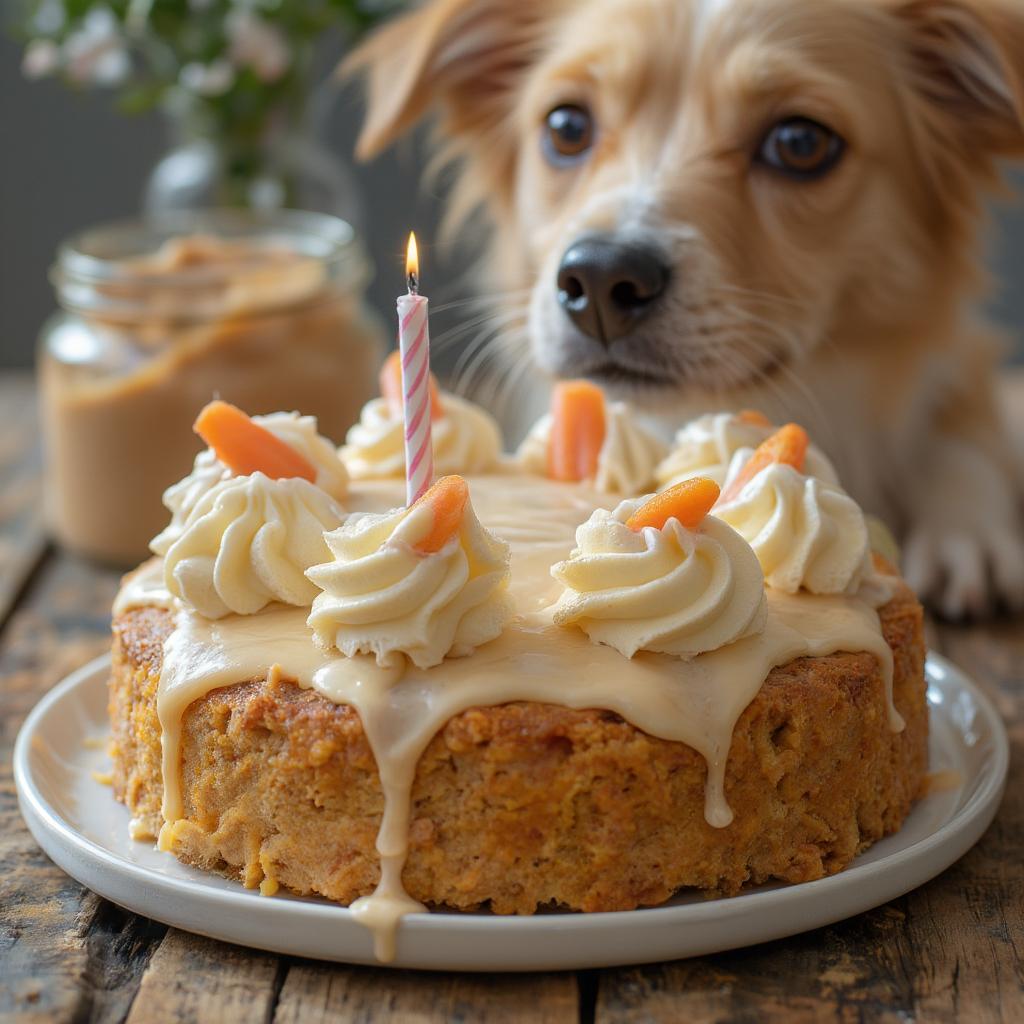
(263, 310)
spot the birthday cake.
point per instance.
(545, 683)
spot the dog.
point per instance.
(771, 204)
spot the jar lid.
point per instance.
(204, 264)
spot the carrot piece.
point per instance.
(689, 502)
(577, 431)
(787, 445)
(245, 447)
(391, 388)
(754, 418)
(447, 499)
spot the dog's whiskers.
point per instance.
(456, 334)
(469, 351)
(487, 344)
(812, 413)
(747, 350)
(478, 378)
(495, 345)
(501, 382)
(484, 302)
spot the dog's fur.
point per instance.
(846, 304)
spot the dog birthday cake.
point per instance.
(544, 684)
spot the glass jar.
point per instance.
(263, 309)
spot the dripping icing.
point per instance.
(402, 708)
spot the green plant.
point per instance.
(234, 63)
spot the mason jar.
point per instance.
(263, 309)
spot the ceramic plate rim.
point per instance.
(973, 816)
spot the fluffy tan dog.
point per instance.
(752, 203)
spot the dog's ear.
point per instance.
(966, 60)
(462, 55)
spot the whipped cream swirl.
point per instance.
(382, 596)
(806, 532)
(208, 471)
(706, 446)
(466, 440)
(627, 460)
(248, 541)
(673, 590)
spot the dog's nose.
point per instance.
(606, 286)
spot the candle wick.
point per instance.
(414, 283)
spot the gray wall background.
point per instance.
(70, 160)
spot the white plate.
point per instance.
(77, 822)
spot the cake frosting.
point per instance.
(627, 460)
(373, 608)
(694, 701)
(382, 595)
(671, 590)
(466, 439)
(300, 432)
(705, 447)
(806, 532)
(248, 541)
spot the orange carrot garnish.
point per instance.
(447, 499)
(787, 445)
(577, 431)
(391, 388)
(754, 418)
(246, 447)
(689, 502)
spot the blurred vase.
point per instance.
(273, 161)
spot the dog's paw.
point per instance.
(966, 573)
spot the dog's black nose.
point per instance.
(606, 286)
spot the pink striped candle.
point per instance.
(414, 346)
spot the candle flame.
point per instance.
(412, 262)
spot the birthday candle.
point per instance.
(414, 346)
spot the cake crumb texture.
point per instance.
(526, 805)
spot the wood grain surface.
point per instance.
(951, 950)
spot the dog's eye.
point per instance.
(568, 134)
(801, 148)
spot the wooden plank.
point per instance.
(118, 946)
(65, 954)
(848, 972)
(22, 536)
(315, 993)
(63, 621)
(968, 931)
(58, 960)
(194, 980)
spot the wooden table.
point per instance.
(950, 950)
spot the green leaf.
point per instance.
(138, 99)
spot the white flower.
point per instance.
(254, 42)
(42, 58)
(213, 79)
(95, 53)
(49, 17)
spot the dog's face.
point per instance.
(702, 184)
(700, 193)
